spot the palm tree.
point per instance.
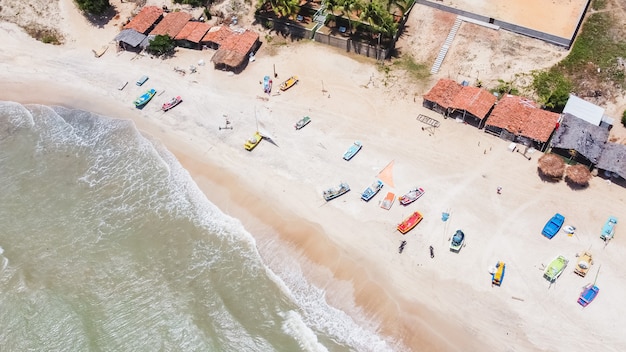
(284, 8)
(348, 7)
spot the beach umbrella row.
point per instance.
(553, 166)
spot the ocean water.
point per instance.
(106, 244)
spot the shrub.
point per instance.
(95, 7)
(161, 44)
(624, 118)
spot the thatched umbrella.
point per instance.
(552, 165)
(578, 174)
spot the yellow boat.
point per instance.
(498, 274)
(252, 142)
(290, 82)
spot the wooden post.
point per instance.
(275, 75)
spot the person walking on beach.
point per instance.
(432, 252)
(499, 190)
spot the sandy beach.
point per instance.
(349, 247)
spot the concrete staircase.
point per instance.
(446, 46)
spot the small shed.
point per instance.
(191, 35)
(584, 110)
(519, 120)
(579, 140)
(130, 39)
(441, 95)
(233, 54)
(146, 19)
(613, 160)
(472, 105)
(171, 24)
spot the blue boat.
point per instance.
(145, 98)
(588, 295)
(608, 230)
(553, 225)
(372, 190)
(351, 152)
(498, 274)
(457, 241)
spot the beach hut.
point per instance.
(551, 166)
(439, 98)
(145, 20)
(579, 140)
(234, 52)
(191, 35)
(171, 24)
(578, 175)
(216, 36)
(520, 120)
(471, 105)
(612, 160)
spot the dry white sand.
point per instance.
(347, 246)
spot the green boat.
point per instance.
(302, 122)
(555, 269)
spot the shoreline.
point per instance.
(443, 304)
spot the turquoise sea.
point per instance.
(106, 244)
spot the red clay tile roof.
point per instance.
(217, 34)
(474, 100)
(240, 42)
(148, 16)
(193, 31)
(171, 24)
(521, 116)
(443, 92)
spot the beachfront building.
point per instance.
(472, 105)
(216, 36)
(520, 120)
(171, 24)
(440, 96)
(191, 35)
(579, 140)
(587, 111)
(451, 99)
(612, 161)
(235, 50)
(134, 36)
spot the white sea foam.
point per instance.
(295, 327)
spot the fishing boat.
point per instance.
(337, 191)
(388, 201)
(588, 295)
(555, 269)
(498, 274)
(290, 82)
(372, 190)
(144, 99)
(172, 103)
(302, 122)
(411, 196)
(351, 152)
(608, 230)
(457, 241)
(409, 223)
(253, 141)
(585, 260)
(267, 84)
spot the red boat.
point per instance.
(412, 195)
(172, 103)
(409, 223)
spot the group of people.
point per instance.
(403, 243)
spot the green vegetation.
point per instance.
(161, 45)
(598, 5)
(415, 70)
(504, 87)
(282, 8)
(94, 7)
(48, 36)
(552, 87)
(624, 118)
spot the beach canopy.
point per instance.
(578, 174)
(386, 175)
(552, 165)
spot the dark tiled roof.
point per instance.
(193, 31)
(613, 158)
(443, 92)
(145, 19)
(171, 24)
(522, 117)
(217, 35)
(474, 100)
(582, 136)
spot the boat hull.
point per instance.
(411, 196)
(144, 99)
(409, 223)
